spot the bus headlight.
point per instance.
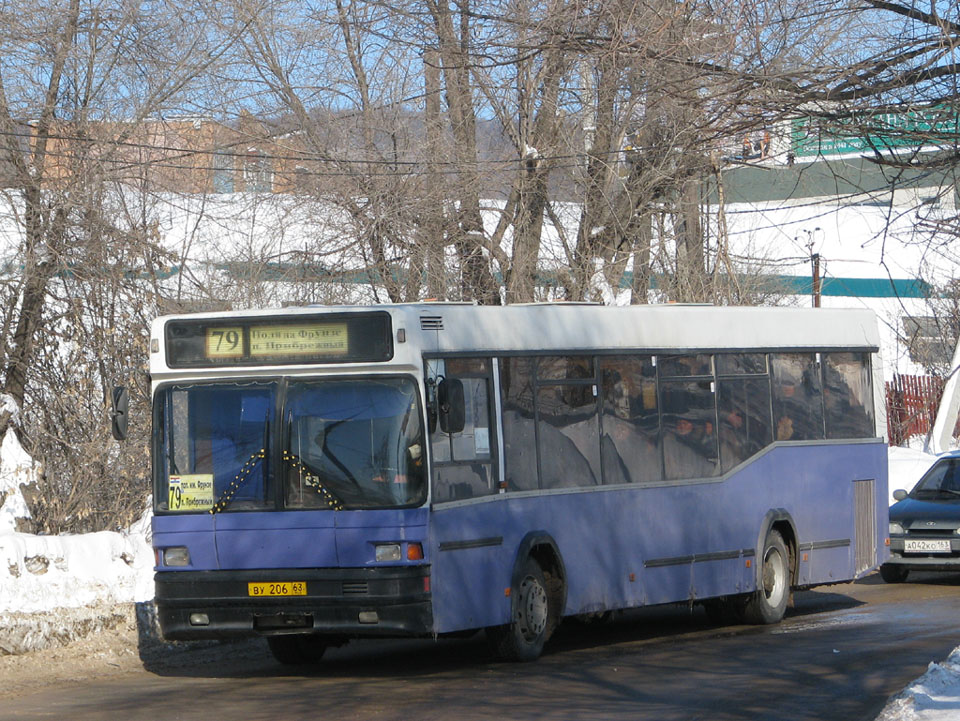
(388, 552)
(176, 556)
(895, 529)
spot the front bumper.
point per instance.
(391, 601)
(925, 561)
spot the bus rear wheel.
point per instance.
(297, 650)
(532, 618)
(769, 602)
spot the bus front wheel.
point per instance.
(769, 602)
(531, 618)
(297, 650)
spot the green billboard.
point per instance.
(860, 133)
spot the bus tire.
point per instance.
(532, 618)
(297, 650)
(769, 602)
(891, 573)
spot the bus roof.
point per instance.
(462, 327)
(669, 328)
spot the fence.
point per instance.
(912, 403)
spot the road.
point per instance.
(839, 654)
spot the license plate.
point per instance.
(284, 588)
(922, 546)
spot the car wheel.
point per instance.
(297, 650)
(892, 573)
(532, 618)
(769, 602)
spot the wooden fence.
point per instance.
(912, 403)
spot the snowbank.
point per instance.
(54, 589)
(935, 696)
(38, 573)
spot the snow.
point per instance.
(935, 696)
(906, 465)
(46, 573)
(43, 573)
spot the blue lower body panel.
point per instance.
(623, 547)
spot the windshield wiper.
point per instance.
(321, 486)
(335, 501)
(246, 470)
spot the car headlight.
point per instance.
(897, 530)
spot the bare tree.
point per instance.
(77, 82)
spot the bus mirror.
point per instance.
(452, 410)
(118, 414)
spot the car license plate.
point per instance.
(284, 588)
(922, 546)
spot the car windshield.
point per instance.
(941, 481)
(343, 444)
(353, 444)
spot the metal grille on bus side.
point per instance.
(865, 523)
(431, 322)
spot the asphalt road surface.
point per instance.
(841, 651)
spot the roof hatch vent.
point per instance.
(431, 322)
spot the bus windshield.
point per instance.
(353, 444)
(214, 446)
(346, 444)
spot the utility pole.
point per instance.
(814, 266)
(815, 262)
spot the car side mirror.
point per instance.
(118, 415)
(899, 494)
(452, 409)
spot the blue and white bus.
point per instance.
(324, 474)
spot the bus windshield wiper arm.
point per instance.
(246, 470)
(340, 466)
(324, 481)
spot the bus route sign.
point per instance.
(191, 492)
(297, 340)
(279, 340)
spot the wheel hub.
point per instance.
(774, 575)
(532, 609)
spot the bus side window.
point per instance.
(688, 410)
(568, 429)
(743, 406)
(462, 461)
(519, 433)
(847, 390)
(797, 398)
(630, 442)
